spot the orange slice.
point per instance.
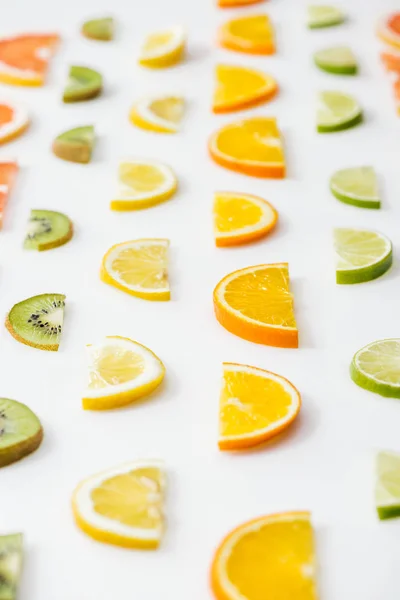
(241, 87)
(13, 120)
(24, 58)
(389, 30)
(269, 557)
(8, 173)
(251, 146)
(241, 218)
(252, 34)
(233, 3)
(256, 304)
(255, 405)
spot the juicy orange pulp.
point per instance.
(239, 87)
(252, 34)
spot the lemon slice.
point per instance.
(123, 505)
(138, 267)
(120, 372)
(162, 114)
(143, 183)
(163, 48)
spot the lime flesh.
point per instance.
(387, 487)
(376, 367)
(339, 60)
(337, 111)
(324, 16)
(357, 186)
(361, 255)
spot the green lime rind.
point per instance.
(364, 274)
(339, 60)
(83, 84)
(387, 486)
(320, 16)
(99, 29)
(356, 120)
(337, 111)
(374, 204)
(357, 186)
(366, 381)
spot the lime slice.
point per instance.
(324, 16)
(339, 60)
(337, 111)
(361, 255)
(376, 368)
(357, 186)
(387, 487)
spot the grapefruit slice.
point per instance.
(13, 120)
(24, 58)
(391, 61)
(389, 30)
(234, 3)
(8, 173)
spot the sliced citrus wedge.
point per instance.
(234, 3)
(99, 29)
(241, 87)
(123, 505)
(255, 405)
(83, 84)
(357, 186)
(339, 60)
(337, 111)
(24, 58)
(268, 557)
(162, 114)
(75, 145)
(14, 120)
(143, 183)
(256, 304)
(241, 218)
(251, 146)
(322, 15)
(376, 367)
(139, 267)
(391, 60)
(120, 372)
(163, 48)
(8, 174)
(387, 485)
(389, 29)
(361, 255)
(252, 34)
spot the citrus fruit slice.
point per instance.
(21, 433)
(234, 3)
(99, 29)
(252, 34)
(83, 84)
(376, 367)
(357, 186)
(8, 174)
(337, 111)
(123, 505)
(139, 267)
(47, 229)
(361, 255)
(268, 557)
(256, 304)
(255, 405)
(38, 321)
(11, 558)
(120, 372)
(13, 120)
(251, 146)
(162, 114)
(339, 60)
(389, 29)
(387, 485)
(24, 58)
(163, 48)
(143, 183)
(241, 218)
(75, 145)
(391, 61)
(241, 87)
(324, 16)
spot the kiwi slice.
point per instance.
(21, 432)
(38, 321)
(99, 29)
(83, 84)
(11, 549)
(47, 229)
(75, 145)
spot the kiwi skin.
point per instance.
(60, 242)
(21, 450)
(72, 152)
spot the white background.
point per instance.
(325, 462)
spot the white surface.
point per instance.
(325, 462)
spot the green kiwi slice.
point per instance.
(75, 145)
(38, 321)
(47, 229)
(11, 550)
(99, 29)
(83, 84)
(21, 432)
